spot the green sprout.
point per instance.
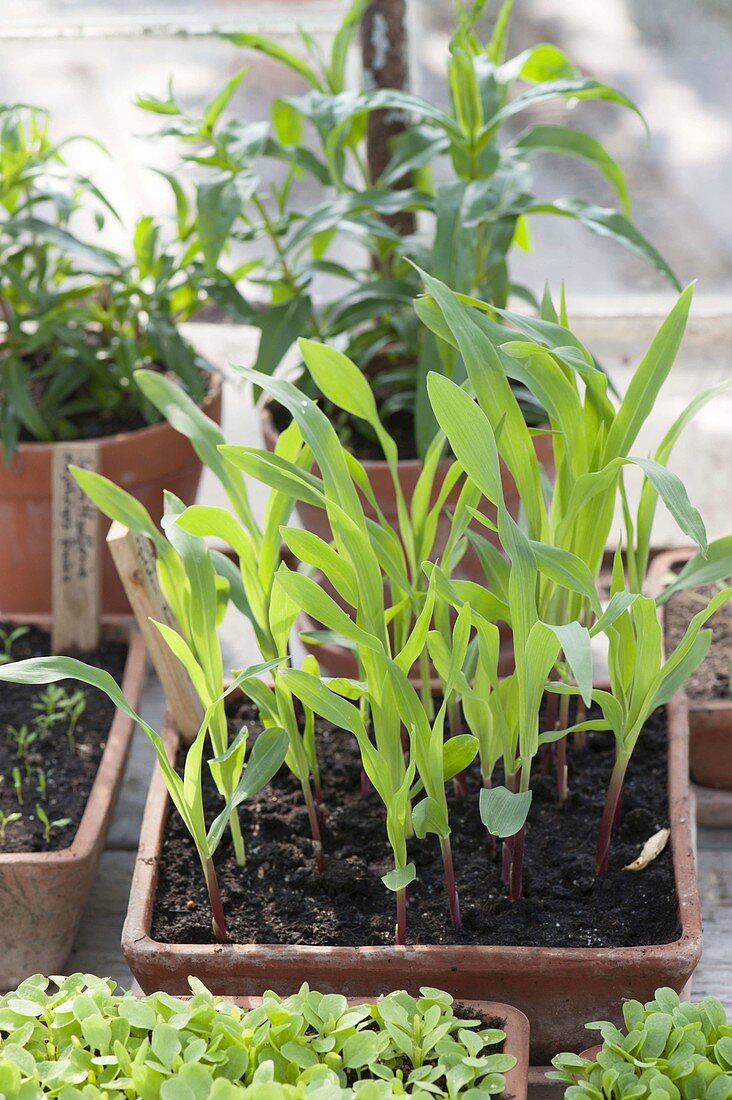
(50, 826)
(18, 785)
(8, 638)
(7, 819)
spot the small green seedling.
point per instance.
(22, 738)
(7, 819)
(18, 785)
(50, 826)
(8, 638)
(41, 783)
(56, 705)
(668, 1048)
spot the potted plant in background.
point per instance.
(63, 753)
(396, 819)
(462, 171)
(77, 320)
(681, 580)
(308, 1045)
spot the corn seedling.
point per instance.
(50, 826)
(7, 819)
(197, 582)
(8, 638)
(249, 776)
(641, 679)
(18, 785)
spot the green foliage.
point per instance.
(50, 826)
(87, 1042)
(242, 779)
(79, 319)
(669, 1049)
(470, 188)
(8, 638)
(7, 819)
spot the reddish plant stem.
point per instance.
(400, 932)
(507, 860)
(314, 819)
(452, 890)
(610, 812)
(515, 888)
(580, 738)
(218, 919)
(365, 785)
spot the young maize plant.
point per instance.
(186, 571)
(641, 680)
(361, 553)
(248, 777)
(592, 438)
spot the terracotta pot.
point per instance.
(144, 462)
(43, 894)
(315, 519)
(710, 720)
(559, 989)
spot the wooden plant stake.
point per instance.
(76, 565)
(135, 564)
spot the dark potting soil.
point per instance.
(713, 678)
(279, 897)
(70, 773)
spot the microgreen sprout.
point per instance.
(7, 819)
(50, 826)
(42, 783)
(18, 785)
(22, 738)
(8, 638)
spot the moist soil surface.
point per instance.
(713, 678)
(279, 897)
(69, 773)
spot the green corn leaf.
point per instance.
(399, 878)
(265, 760)
(703, 568)
(605, 222)
(504, 812)
(469, 433)
(458, 753)
(576, 646)
(428, 816)
(566, 141)
(277, 52)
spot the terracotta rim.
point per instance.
(138, 942)
(117, 627)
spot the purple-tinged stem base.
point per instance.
(516, 882)
(452, 891)
(613, 801)
(218, 919)
(400, 931)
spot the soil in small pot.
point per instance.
(69, 772)
(713, 678)
(280, 898)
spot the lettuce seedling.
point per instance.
(265, 758)
(48, 826)
(85, 1039)
(670, 1049)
